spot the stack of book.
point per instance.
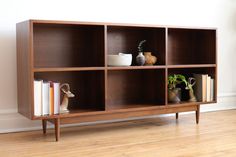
(204, 88)
(46, 98)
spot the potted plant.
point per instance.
(174, 93)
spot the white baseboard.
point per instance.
(5, 111)
(11, 121)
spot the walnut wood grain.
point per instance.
(58, 45)
(24, 82)
(76, 53)
(44, 124)
(191, 46)
(117, 35)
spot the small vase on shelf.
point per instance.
(140, 59)
(149, 58)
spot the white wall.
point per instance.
(213, 13)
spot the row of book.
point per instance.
(204, 87)
(46, 98)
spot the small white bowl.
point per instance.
(120, 60)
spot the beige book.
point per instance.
(204, 87)
(208, 94)
(200, 86)
(212, 90)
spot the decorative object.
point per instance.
(121, 59)
(140, 59)
(174, 93)
(65, 88)
(191, 82)
(149, 58)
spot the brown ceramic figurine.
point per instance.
(65, 88)
(191, 82)
(149, 58)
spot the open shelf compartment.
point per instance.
(191, 46)
(67, 45)
(189, 72)
(128, 89)
(125, 39)
(88, 87)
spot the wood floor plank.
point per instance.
(215, 135)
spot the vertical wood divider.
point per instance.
(166, 63)
(166, 44)
(31, 63)
(166, 86)
(105, 73)
(216, 68)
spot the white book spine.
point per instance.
(45, 98)
(37, 97)
(56, 97)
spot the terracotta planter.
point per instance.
(174, 95)
(149, 58)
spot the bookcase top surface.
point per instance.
(38, 21)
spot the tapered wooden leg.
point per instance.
(57, 128)
(44, 124)
(177, 115)
(197, 114)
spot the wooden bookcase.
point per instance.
(76, 53)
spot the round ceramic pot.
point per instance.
(149, 58)
(174, 95)
(120, 60)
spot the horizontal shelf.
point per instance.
(136, 67)
(181, 103)
(72, 113)
(68, 69)
(191, 66)
(87, 112)
(190, 103)
(208, 102)
(131, 106)
(128, 108)
(121, 67)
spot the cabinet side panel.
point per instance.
(23, 69)
(216, 61)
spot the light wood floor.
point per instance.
(215, 136)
